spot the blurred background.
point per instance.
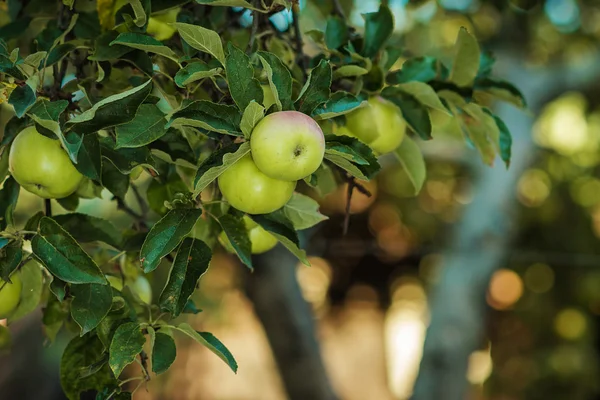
(409, 261)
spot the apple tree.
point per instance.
(231, 120)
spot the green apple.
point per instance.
(379, 125)
(115, 281)
(268, 96)
(287, 145)
(249, 190)
(41, 166)
(262, 241)
(141, 287)
(10, 295)
(159, 25)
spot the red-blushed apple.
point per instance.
(249, 190)
(10, 295)
(262, 241)
(379, 125)
(41, 166)
(287, 145)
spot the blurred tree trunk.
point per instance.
(480, 241)
(289, 325)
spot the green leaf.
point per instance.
(410, 157)
(163, 353)
(351, 155)
(166, 235)
(302, 212)
(336, 32)
(217, 163)
(80, 354)
(202, 39)
(230, 3)
(119, 314)
(505, 138)
(12, 128)
(126, 344)
(114, 180)
(21, 98)
(378, 28)
(466, 59)
(502, 90)
(414, 112)
(63, 256)
(89, 158)
(207, 115)
(58, 288)
(192, 261)
(10, 257)
(69, 203)
(348, 71)
(483, 132)
(280, 80)
(194, 72)
(280, 227)
(252, 114)
(159, 192)
(145, 43)
(9, 194)
(86, 228)
(91, 303)
(211, 342)
(147, 126)
(424, 94)
(339, 103)
(125, 159)
(237, 233)
(113, 110)
(50, 110)
(317, 90)
(31, 295)
(421, 69)
(243, 86)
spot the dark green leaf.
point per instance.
(317, 90)
(119, 314)
(415, 114)
(158, 192)
(339, 103)
(166, 235)
(217, 163)
(114, 180)
(103, 51)
(163, 353)
(90, 305)
(33, 281)
(351, 155)
(10, 257)
(113, 110)
(210, 116)
(243, 86)
(69, 203)
(58, 53)
(126, 344)
(86, 228)
(192, 261)
(54, 315)
(12, 128)
(378, 28)
(125, 159)
(145, 43)
(194, 72)
(502, 90)
(280, 227)
(89, 158)
(505, 138)
(140, 60)
(336, 33)
(147, 126)
(190, 308)
(280, 80)
(87, 26)
(9, 194)
(422, 69)
(58, 288)
(15, 29)
(63, 256)
(50, 110)
(34, 221)
(235, 229)
(21, 98)
(212, 343)
(176, 146)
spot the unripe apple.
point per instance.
(115, 281)
(10, 295)
(249, 190)
(141, 287)
(262, 241)
(41, 166)
(287, 145)
(158, 25)
(379, 125)
(268, 97)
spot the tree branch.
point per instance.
(298, 40)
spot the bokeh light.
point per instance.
(505, 289)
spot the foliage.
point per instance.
(119, 100)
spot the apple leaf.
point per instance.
(125, 159)
(21, 98)
(235, 229)
(159, 192)
(119, 314)
(414, 112)
(421, 69)
(316, 90)
(105, 50)
(11, 255)
(230, 3)
(145, 43)
(166, 235)
(501, 90)
(192, 261)
(252, 114)
(9, 194)
(212, 343)
(89, 158)
(217, 163)
(113, 110)
(202, 39)
(379, 26)
(164, 352)
(302, 212)
(336, 32)
(209, 116)
(280, 227)
(351, 155)
(410, 157)
(482, 131)
(505, 138)
(348, 71)
(126, 344)
(194, 72)
(86, 228)
(466, 59)
(31, 295)
(424, 94)
(90, 305)
(114, 180)
(325, 182)
(280, 80)
(81, 352)
(339, 103)
(243, 86)
(147, 126)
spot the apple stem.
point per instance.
(48, 207)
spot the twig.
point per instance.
(338, 9)
(48, 207)
(140, 200)
(351, 186)
(254, 31)
(124, 207)
(298, 39)
(144, 364)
